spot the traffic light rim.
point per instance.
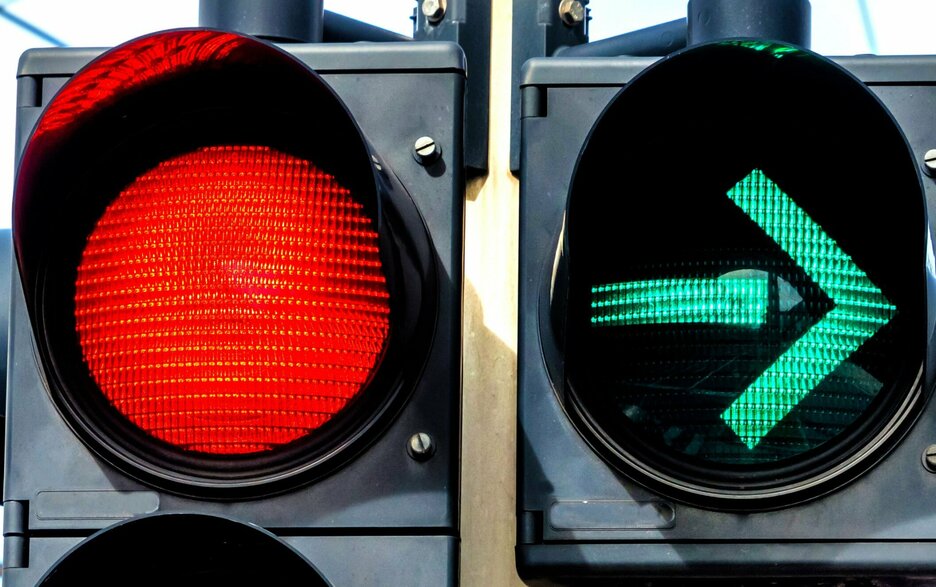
(410, 269)
(877, 437)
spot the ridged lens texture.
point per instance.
(746, 308)
(148, 60)
(751, 341)
(860, 311)
(231, 300)
(731, 300)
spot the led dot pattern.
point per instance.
(232, 300)
(860, 310)
(734, 301)
(739, 354)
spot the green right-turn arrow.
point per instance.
(860, 310)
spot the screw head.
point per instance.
(420, 446)
(929, 163)
(572, 12)
(426, 151)
(929, 458)
(433, 10)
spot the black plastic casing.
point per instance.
(579, 518)
(382, 518)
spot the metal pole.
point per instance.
(298, 21)
(772, 20)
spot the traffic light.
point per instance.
(235, 352)
(726, 309)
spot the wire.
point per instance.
(868, 25)
(29, 27)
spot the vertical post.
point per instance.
(489, 346)
(773, 20)
(277, 20)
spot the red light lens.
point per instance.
(232, 300)
(147, 60)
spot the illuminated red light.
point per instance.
(232, 300)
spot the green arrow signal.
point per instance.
(728, 300)
(860, 310)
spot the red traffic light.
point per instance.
(232, 300)
(223, 276)
(240, 298)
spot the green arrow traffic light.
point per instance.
(739, 301)
(859, 307)
(860, 310)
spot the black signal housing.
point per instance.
(323, 103)
(626, 169)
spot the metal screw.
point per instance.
(572, 12)
(929, 163)
(433, 10)
(929, 458)
(420, 446)
(426, 151)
